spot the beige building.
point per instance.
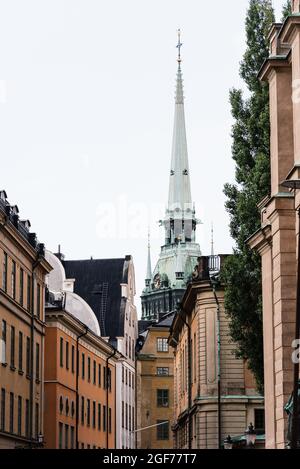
(22, 279)
(276, 240)
(155, 386)
(214, 392)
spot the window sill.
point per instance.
(37, 381)
(13, 368)
(21, 372)
(28, 376)
(4, 364)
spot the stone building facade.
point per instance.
(22, 320)
(155, 386)
(214, 392)
(276, 240)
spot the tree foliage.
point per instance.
(286, 10)
(250, 151)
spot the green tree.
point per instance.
(286, 10)
(250, 151)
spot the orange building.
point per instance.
(80, 370)
(22, 279)
(80, 384)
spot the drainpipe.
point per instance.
(189, 379)
(213, 284)
(107, 394)
(77, 382)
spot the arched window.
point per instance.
(61, 404)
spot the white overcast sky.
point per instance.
(86, 117)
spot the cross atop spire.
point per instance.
(179, 46)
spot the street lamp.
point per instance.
(228, 443)
(294, 185)
(250, 436)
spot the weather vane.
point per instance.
(179, 46)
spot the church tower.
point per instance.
(178, 257)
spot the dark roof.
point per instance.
(143, 325)
(98, 281)
(166, 320)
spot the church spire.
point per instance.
(180, 207)
(149, 269)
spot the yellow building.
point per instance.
(155, 382)
(214, 391)
(22, 279)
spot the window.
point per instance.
(104, 377)
(37, 413)
(21, 292)
(67, 355)
(88, 413)
(99, 375)
(109, 420)
(162, 345)
(162, 397)
(27, 356)
(122, 414)
(104, 418)
(82, 366)
(19, 415)
(259, 419)
(162, 430)
(94, 372)
(13, 280)
(89, 369)
(38, 300)
(94, 414)
(133, 350)
(12, 347)
(109, 378)
(129, 415)
(162, 371)
(37, 362)
(72, 438)
(27, 418)
(61, 404)
(122, 374)
(61, 352)
(2, 420)
(73, 359)
(28, 292)
(82, 410)
(126, 377)
(4, 277)
(3, 354)
(99, 416)
(20, 351)
(67, 406)
(11, 412)
(66, 436)
(126, 345)
(126, 416)
(133, 428)
(60, 435)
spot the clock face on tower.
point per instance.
(157, 281)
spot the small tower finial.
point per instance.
(179, 46)
(212, 239)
